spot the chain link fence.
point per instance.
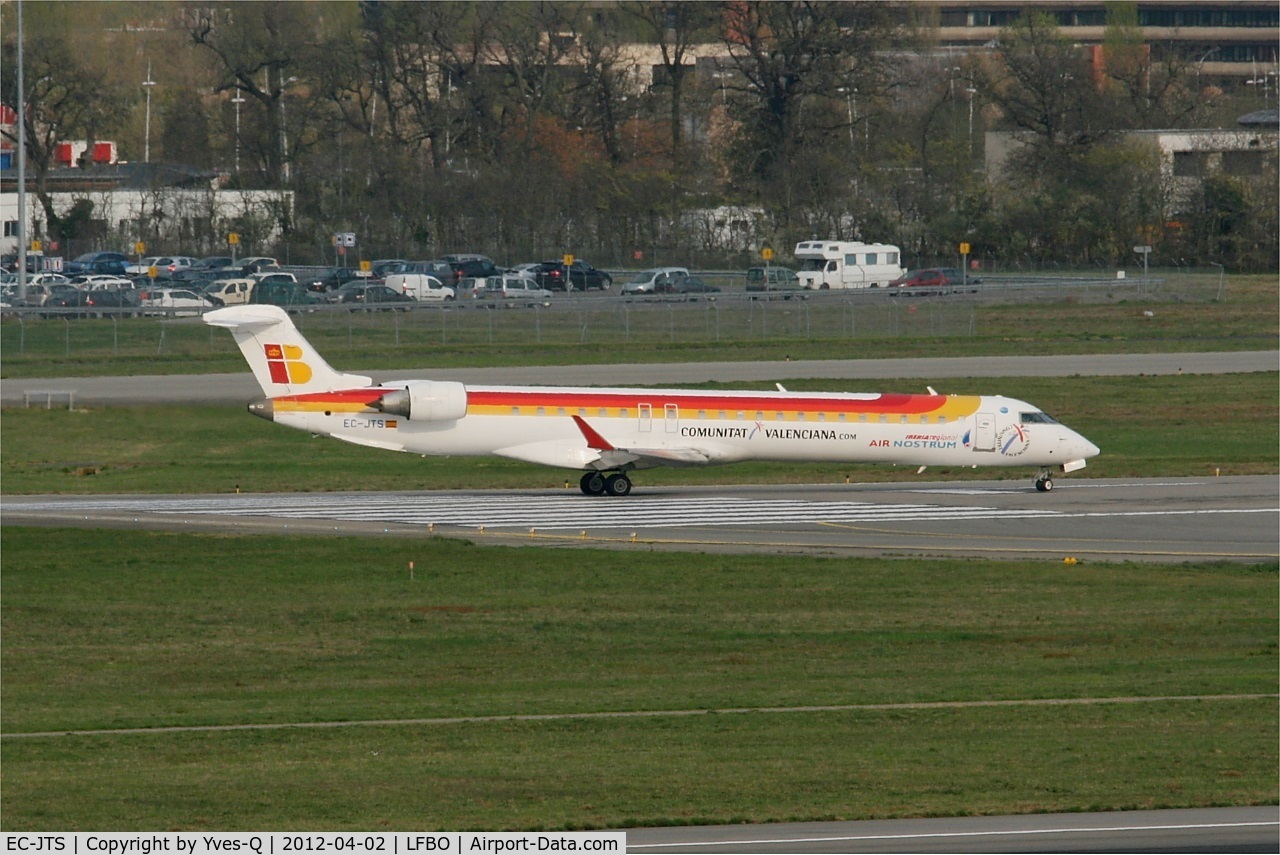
(605, 319)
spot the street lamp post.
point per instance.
(849, 94)
(284, 129)
(971, 92)
(148, 83)
(238, 100)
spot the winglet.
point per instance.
(594, 440)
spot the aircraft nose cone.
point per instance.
(1087, 448)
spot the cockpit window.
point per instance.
(1037, 419)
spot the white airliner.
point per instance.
(608, 432)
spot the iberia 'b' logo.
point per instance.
(283, 361)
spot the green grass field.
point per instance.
(135, 629)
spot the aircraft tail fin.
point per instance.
(283, 362)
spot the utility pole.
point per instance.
(147, 84)
(22, 170)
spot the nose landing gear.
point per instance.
(599, 484)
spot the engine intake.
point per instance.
(426, 401)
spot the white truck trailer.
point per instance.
(843, 264)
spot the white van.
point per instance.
(229, 292)
(420, 286)
(647, 281)
(510, 286)
(843, 264)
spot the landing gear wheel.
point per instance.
(1044, 485)
(592, 484)
(617, 485)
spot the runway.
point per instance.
(1241, 829)
(1166, 520)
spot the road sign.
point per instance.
(366, 266)
(139, 248)
(964, 249)
(767, 253)
(345, 239)
(233, 238)
(568, 259)
(1143, 250)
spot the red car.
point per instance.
(935, 277)
(930, 276)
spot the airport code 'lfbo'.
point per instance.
(278, 843)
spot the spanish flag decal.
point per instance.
(285, 365)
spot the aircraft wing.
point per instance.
(646, 458)
(611, 457)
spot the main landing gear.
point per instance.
(600, 484)
(1044, 483)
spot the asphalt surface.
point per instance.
(239, 388)
(1242, 829)
(1163, 520)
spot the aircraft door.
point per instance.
(984, 432)
(646, 417)
(672, 418)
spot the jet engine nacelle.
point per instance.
(426, 401)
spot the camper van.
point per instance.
(842, 264)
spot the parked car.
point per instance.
(111, 263)
(685, 285)
(372, 297)
(383, 267)
(214, 262)
(465, 256)
(331, 279)
(173, 302)
(470, 267)
(648, 281)
(255, 264)
(102, 282)
(527, 270)
(514, 288)
(288, 295)
(35, 262)
(93, 304)
(580, 276)
(957, 277)
(229, 292)
(772, 278)
(165, 265)
(926, 277)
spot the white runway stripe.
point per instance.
(546, 513)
